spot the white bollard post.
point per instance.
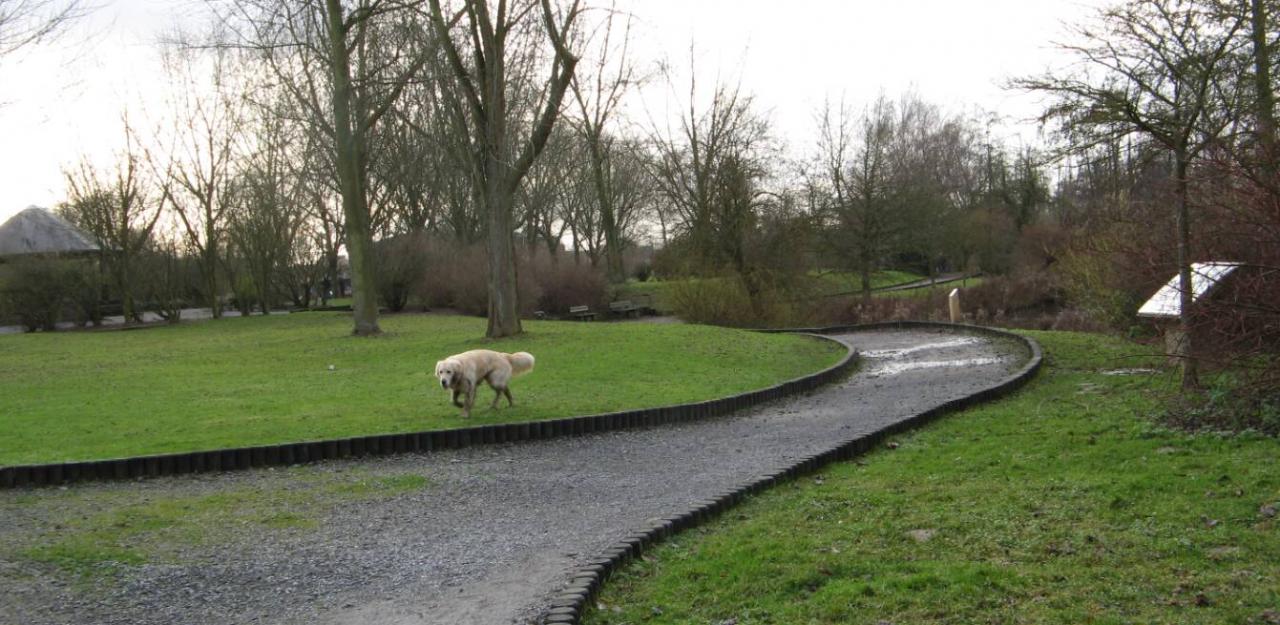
(953, 302)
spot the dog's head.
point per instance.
(447, 372)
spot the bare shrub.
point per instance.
(402, 262)
(1004, 296)
(1238, 326)
(85, 294)
(718, 301)
(244, 292)
(1029, 300)
(642, 272)
(456, 275)
(726, 301)
(173, 280)
(1104, 277)
(564, 284)
(1040, 247)
(40, 292)
(858, 310)
(463, 278)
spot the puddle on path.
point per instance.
(894, 353)
(894, 368)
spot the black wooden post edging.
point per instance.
(567, 607)
(208, 461)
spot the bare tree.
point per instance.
(598, 94)
(1163, 65)
(1261, 23)
(266, 213)
(687, 169)
(560, 195)
(28, 22)
(632, 192)
(936, 181)
(1262, 18)
(448, 151)
(480, 54)
(408, 168)
(170, 275)
(546, 196)
(423, 162)
(199, 165)
(313, 171)
(118, 208)
(357, 108)
(714, 169)
(346, 65)
(857, 176)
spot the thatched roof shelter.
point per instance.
(38, 231)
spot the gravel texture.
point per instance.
(496, 531)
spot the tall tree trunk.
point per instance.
(211, 269)
(577, 247)
(350, 155)
(127, 308)
(504, 305)
(498, 162)
(612, 249)
(864, 250)
(608, 220)
(864, 274)
(531, 234)
(499, 204)
(553, 250)
(1269, 161)
(124, 271)
(364, 302)
(1185, 346)
(1262, 84)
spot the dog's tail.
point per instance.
(521, 362)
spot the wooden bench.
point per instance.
(624, 307)
(644, 304)
(581, 313)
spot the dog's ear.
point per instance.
(439, 363)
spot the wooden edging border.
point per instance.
(567, 607)
(36, 475)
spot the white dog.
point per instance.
(462, 373)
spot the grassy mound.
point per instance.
(1061, 504)
(238, 382)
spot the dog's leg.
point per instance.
(470, 400)
(455, 398)
(497, 394)
(507, 392)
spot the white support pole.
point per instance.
(953, 302)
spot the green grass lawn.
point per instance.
(851, 282)
(654, 290)
(1064, 503)
(262, 380)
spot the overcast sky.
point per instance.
(62, 102)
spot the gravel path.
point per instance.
(496, 530)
